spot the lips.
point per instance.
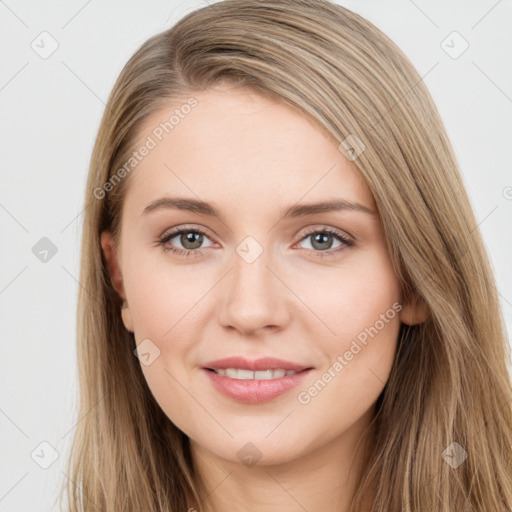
(242, 379)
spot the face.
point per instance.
(314, 289)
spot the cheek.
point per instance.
(357, 361)
(164, 297)
(364, 313)
(359, 307)
(165, 301)
(351, 300)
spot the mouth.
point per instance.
(241, 374)
(254, 381)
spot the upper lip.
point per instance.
(264, 363)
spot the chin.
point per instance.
(250, 450)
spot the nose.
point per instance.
(253, 297)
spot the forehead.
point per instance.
(236, 147)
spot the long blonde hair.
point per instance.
(449, 382)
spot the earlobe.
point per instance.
(414, 313)
(127, 317)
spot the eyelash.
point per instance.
(197, 252)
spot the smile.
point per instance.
(241, 374)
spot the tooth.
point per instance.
(242, 374)
(245, 374)
(263, 375)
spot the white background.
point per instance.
(50, 113)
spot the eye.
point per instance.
(322, 241)
(190, 239)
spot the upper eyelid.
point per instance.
(177, 229)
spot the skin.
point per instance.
(252, 157)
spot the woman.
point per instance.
(286, 303)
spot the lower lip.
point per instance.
(254, 391)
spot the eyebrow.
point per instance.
(297, 210)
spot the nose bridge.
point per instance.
(250, 270)
(252, 296)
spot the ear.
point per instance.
(107, 244)
(414, 313)
(109, 251)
